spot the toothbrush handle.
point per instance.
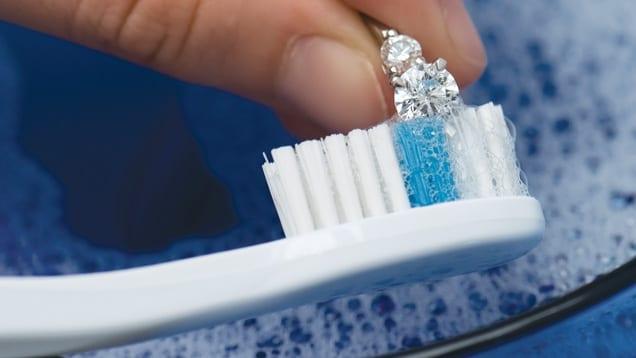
(52, 315)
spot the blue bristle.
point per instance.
(421, 148)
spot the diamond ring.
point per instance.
(422, 89)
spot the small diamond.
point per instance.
(399, 51)
(425, 90)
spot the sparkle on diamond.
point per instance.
(425, 91)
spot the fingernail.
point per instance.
(334, 85)
(462, 32)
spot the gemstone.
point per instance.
(399, 51)
(425, 90)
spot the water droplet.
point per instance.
(514, 302)
(389, 324)
(477, 301)
(411, 342)
(562, 125)
(619, 200)
(353, 304)
(437, 307)
(299, 336)
(382, 305)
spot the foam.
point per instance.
(425, 161)
(482, 148)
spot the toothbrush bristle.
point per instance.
(422, 148)
(291, 190)
(346, 192)
(395, 194)
(392, 167)
(366, 173)
(319, 189)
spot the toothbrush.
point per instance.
(432, 193)
(434, 150)
(394, 166)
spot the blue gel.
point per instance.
(421, 148)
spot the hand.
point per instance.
(313, 61)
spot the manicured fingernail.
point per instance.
(332, 84)
(462, 32)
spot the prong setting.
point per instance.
(396, 81)
(440, 64)
(391, 33)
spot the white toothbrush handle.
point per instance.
(52, 315)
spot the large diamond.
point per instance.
(424, 90)
(398, 52)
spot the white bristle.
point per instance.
(319, 188)
(394, 190)
(510, 166)
(291, 183)
(278, 196)
(347, 199)
(496, 138)
(480, 183)
(366, 174)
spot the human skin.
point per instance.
(313, 61)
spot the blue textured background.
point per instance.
(89, 142)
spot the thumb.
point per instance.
(315, 59)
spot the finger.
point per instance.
(316, 57)
(302, 129)
(443, 27)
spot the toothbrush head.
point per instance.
(392, 167)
